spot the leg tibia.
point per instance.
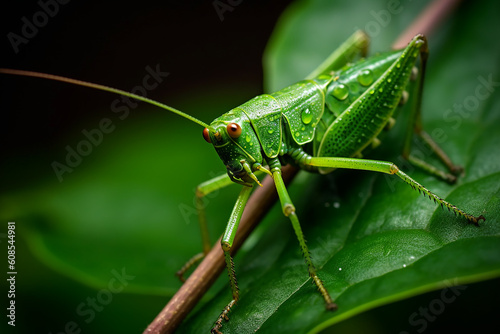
(227, 244)
(224, 316)
(431, 169)
(203, 190)
(195, 259)
(289, 211)
(415, 185)
(389, 168)
(454, 169)
(329, 304)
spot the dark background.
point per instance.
(111, 43)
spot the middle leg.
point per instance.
(289, 211)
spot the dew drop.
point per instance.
(248, 138)
(270, 131)
(340, 269)
(365, 78)
(297, 134)
(340, 92)
(372, 91)
(306, 116)
(414, 73)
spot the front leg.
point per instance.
(227, 244)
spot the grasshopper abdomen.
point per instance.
(361, 100)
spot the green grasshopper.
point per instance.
(322, 123)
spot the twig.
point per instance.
(435, 13)
(261, 202)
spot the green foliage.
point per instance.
(373, 238)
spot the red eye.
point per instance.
(234, 130)
(206, 135)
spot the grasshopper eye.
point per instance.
(206, 135)
(234, 130)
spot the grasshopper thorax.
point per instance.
(237, 144)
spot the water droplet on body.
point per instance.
(306, 116)
(340, 92)
(365, 78)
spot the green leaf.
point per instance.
(374, 239)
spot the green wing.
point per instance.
(303, 104)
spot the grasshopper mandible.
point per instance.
(319, 124)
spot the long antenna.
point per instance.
(104, 88)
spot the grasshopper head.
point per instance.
(235, 141)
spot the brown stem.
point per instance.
(430, 18)
(261, 202)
